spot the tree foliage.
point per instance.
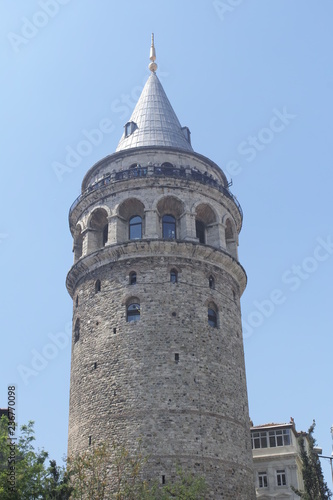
(103, 472)
(24, 474)
(114, 473)
(315, 488)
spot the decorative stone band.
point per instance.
(147, 248)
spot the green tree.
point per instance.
(24, 474)
(115, 473)
(315, 487)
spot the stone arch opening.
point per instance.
(98, 229)
(205, 225)
(231, 239)
(78, 243)
(170, 210)
(131, 220)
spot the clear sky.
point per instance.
(253, 81)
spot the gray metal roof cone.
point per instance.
(154, 122)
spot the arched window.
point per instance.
(132, 278)
(135, 227)
(173, 276)
(200, 231)
(212, 317)
(211, 282)
(169, 227)
(77, 330)
(98, 286)
(133, 312)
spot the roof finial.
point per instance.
(152, 66)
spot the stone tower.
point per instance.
(157, 348)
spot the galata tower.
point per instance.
(157, 348)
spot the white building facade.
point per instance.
(276, 460)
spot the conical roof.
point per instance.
(154, 122)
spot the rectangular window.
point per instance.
(281, 477)
(259, 439)
(264, 439)
(262, 478)
(279, 438)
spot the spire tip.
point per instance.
(152, 66)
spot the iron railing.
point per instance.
(176, 172)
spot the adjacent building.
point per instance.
(276, 460)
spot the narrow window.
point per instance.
(211, 282)
(98, 286)
(95, 365)
(281, 477)
(77, 301)
(176, 357)
(163, 479)
(262, 479)
(169, 227)
(135, 228)
(132, 278)
(77, 330)
(133, 312)
(173, 276)
(105, 234)
(212, 318)
(200, 231)
(89, 440)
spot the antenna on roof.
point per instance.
(152, 66)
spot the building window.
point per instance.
(98, 286)
(279, 438)
(259, 440)
(173, 276)
(271, 439)
(212, 318)
(135, 227)
(133, 312)
(129, 128)
(211, 282)
(77, 301)
(77, 331)
(262, 479)
(132, 278)
(169, 227)
(200, 231)
(281, 477)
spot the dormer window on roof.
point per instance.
(187, 133)
(129, 128)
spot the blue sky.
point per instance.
(253, 81)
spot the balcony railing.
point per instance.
(162, 171)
